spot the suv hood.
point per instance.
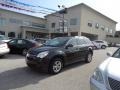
(111, 67)
(41, 49)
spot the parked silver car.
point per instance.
(3, 48)
(101, 44)
(107, 75)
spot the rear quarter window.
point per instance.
(99, 41)
(81, 41)
(87, 41)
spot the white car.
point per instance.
(107, 75)
(3, 48)
(96, 45)
(102, 44)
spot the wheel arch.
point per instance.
(90, 50)
(59, 56)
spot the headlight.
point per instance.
(42, 54)
(98, 76)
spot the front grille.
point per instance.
(114, 84)
(33, 52)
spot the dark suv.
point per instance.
(58, 52)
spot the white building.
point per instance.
(81, 20)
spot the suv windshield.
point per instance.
(117, 54)
(57, 42)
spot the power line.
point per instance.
(47, 8)
(36, 11)
(29, 5)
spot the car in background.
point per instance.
(21, 46)
(96, 45)
(3, 48)
(4, 39)
(58, 52)
(102, 44)
(107, 74)
(41, 41)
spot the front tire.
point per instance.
(88, 58)
(24, 52)
(103, 46)
(56, 66)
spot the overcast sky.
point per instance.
(109, 8)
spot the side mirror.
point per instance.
(109, 54)
(69, 45)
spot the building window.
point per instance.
(2, 33)
(27, 23)
(38, 25)
(3, 21)
(109, 36)
(102, 27)
(19, 35)
(13, 20)
(63, 25)
(11, 34)
(90, 24)
(111, 31)
(107, 30)
(53, 25)
(74, 33)
(73, 21)
(97, 26)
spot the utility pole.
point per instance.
(63, 12)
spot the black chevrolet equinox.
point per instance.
(58, 52)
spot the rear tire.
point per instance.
(88, 58)
(56, 66)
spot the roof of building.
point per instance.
(22, 13)
(89, 8)
(68, 8)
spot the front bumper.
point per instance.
(95, 85)
(42, 64)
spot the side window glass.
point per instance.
(20, 42)
(99, 41)
(81, 41)
(87, 41)
(12, 42)
(24, 42)
(73, 42)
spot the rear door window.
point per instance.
(80, 41)
(21, 42)
(99, 41)
(73, 42)
(13, 42)
(87, 41)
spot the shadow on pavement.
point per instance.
(74, 65)
(20, 77)
(12, 57)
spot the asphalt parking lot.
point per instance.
(15, 75)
